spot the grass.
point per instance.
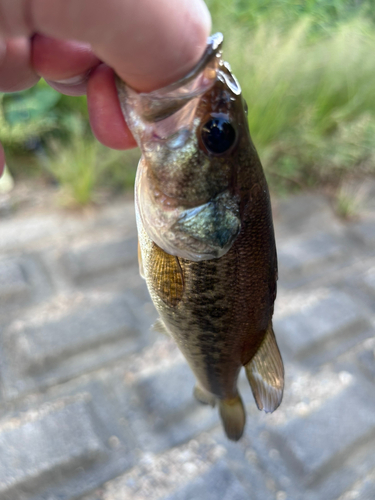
(84, 166)
(75, 167)
(311, 100)
(307, 71)
(350, 200)
(47, 134)
(324, 14)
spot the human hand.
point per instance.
(76, 45)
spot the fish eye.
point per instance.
(218, 135)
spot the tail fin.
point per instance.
(265, 373)
(232, 413)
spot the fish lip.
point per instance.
(213, 49)
(229, 79)
(146, 100)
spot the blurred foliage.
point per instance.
(349, 202)
(307, 71)
(84, 165)
(39, 113)
(46, 133)
(323, 13)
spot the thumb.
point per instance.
(149, 43)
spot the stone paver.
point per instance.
(95, 405)
(45, 445)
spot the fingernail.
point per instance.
(74, 80)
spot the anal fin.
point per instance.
(233, 416)
(265, 373)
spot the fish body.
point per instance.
(206, 240)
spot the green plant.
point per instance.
(307, 71)
(284, 13)
(311, 102)
(24, 117)
(83, 167)
(76, 168)
(349, 200)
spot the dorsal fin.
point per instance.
(265, 373)
(167, 276)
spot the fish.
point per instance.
(206, 240)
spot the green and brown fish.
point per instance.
(206, 239)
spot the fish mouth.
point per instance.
(197, 233)
(159, 104)
(171, 109)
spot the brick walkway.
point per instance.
(96, 406)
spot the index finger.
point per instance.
(149, 43)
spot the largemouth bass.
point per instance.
(206, 239)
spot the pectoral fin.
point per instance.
(167, 276)
(265, 373)
(232, 413)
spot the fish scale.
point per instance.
(206, 239)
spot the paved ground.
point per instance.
(96, 406)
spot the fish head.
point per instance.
(190, 134)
